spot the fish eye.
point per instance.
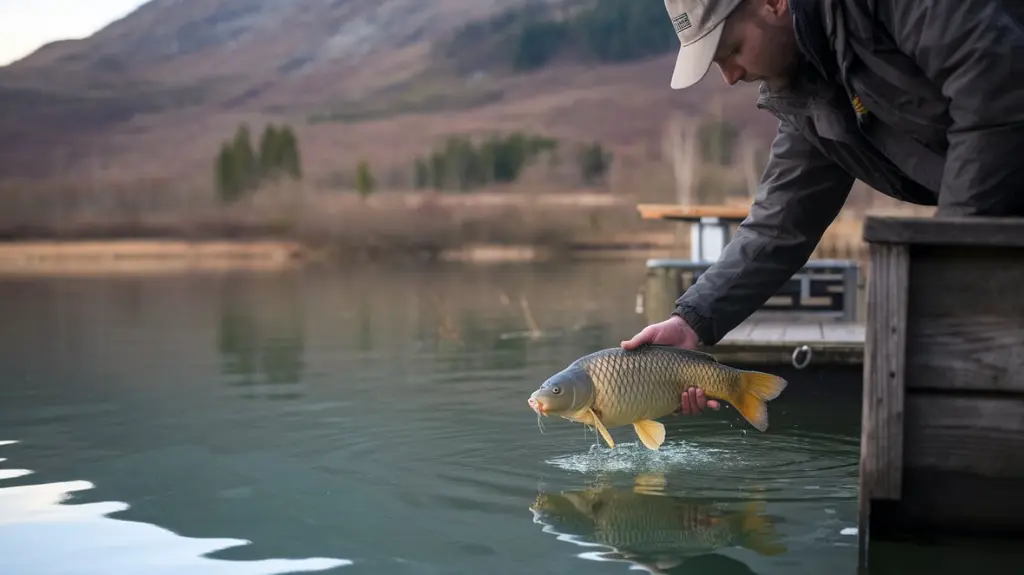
(556, 390)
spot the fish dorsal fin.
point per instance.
(699, 355)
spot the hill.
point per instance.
(151, 97)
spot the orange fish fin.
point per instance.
(651, 433)
(758, 533)
(601, 429)
(756, 388)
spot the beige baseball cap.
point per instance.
(698, 23)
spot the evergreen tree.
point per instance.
(246, 169)
(594, 162)
(365, 182)
(271, 157)
(291, 160)
(421, 174)
(228, 185)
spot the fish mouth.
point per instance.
(536, 406)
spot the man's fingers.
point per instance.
(694, 400)
(701, 400)
(637, 340)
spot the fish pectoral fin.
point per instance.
(601, 428)
(651, 433)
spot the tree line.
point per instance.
(531, 36)
(241, 169)
(456, 164)
(459, 163)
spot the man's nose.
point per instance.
(731, 73)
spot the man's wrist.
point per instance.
(698, 323)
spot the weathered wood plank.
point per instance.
(803, 332)
(680, 211)
(754, 332)
(966, 327)
(881, 459)
(968, 231)
(963, 469)
(950, 503)
(983, 435)
(661, 290)
(979, 353)
(767, 331)
(843, 332)
(740, 332)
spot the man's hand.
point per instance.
(675, 332)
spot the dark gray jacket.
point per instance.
(942, 83)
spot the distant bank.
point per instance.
(280, 232)
(140, 256)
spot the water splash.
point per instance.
(633, 457)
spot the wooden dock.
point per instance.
(800, 342)
(814, 322)
(942, 447)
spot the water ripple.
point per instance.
(788, 466)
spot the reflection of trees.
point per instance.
(646, 527)
(261, 339)
(501, 337)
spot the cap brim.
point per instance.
(694, 60)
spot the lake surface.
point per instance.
(375, 421)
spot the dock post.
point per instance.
(662, 289)
(942, 438)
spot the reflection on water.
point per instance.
(261, 339)
(374, 421)
(648, 527)
(45, 531)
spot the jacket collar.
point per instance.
(818, 65)
(812, 36)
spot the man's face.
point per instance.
(759, 44)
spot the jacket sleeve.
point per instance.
(974, 51)
(800, 194)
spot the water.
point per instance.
(374, 421)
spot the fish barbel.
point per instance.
(615, 387)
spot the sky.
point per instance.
(28, 24)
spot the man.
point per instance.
(922, 100)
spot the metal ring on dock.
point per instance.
(807, 359)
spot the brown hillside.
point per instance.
(154, 94)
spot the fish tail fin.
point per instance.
(756, 388)
(758, 533)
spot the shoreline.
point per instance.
(129, 255)
(142, 256)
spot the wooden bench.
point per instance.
(942, 443)
(821, 288)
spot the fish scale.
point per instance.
(629, 386)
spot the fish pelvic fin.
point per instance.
(594, 419)
(758, 533)
(650, 432)
(756, 388)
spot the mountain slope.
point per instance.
(154, 94)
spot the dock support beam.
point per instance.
(942, 443)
